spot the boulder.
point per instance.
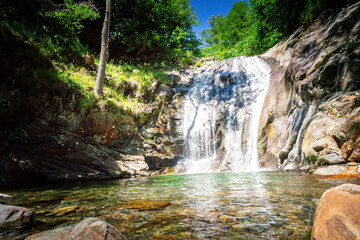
(337, 171)
(5, 198)
(13, 216)
(133, 165)
(173, 78)
(157, 161)
(338, 214)
(88, 229)
(145, 205)
(165, 91)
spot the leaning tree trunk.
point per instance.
(104, 53)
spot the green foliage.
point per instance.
(69, 18)
(254, 28)
(313, 8)
(152, 29)
(232, 35)
(142, 30)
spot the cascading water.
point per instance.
(221, 117)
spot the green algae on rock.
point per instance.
(145, 205)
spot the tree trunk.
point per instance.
(104, 53)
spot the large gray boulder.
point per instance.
(88, 229)
(13, 217)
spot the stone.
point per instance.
(156, 161)
(63, 211)
(4, 198)
(88, 229)
(133, 165)
(337, 215)
(149, 133)
(165, 91)
(355, 156)
(145, 205)
(13, 216)
(226, 219)
(331, 158)
(173, 78)
(337, 171)
(106, 127)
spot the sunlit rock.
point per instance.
(88, 229)
(338, 213)
(310, 115)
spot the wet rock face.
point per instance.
(88, 229)
(106, 127)
(311, 113)
(41, 152)
(338, 213)
(333, 135)
(163, 138)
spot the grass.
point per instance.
(128, 89)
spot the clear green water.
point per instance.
(262, 205)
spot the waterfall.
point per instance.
(221, 115)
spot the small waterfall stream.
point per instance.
(221, 117)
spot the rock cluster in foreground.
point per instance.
(88, 229)
(13, 216)
(338, 214)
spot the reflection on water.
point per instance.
(261, 205)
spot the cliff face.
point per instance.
(310, 117)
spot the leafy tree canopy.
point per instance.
(139, 28)
(252, 29)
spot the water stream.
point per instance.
(254, 205)
(221, 117)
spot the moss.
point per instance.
(311, 159)
(271, 130)
(352, 46)
(324, 60)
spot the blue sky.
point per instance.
(204, 9)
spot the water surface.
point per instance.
(259, 205)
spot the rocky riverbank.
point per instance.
(58, 143)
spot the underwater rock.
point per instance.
(88, 229)
(63, 211)
(145, 205)
(338, 213)
(4, 198)
(13, 216)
